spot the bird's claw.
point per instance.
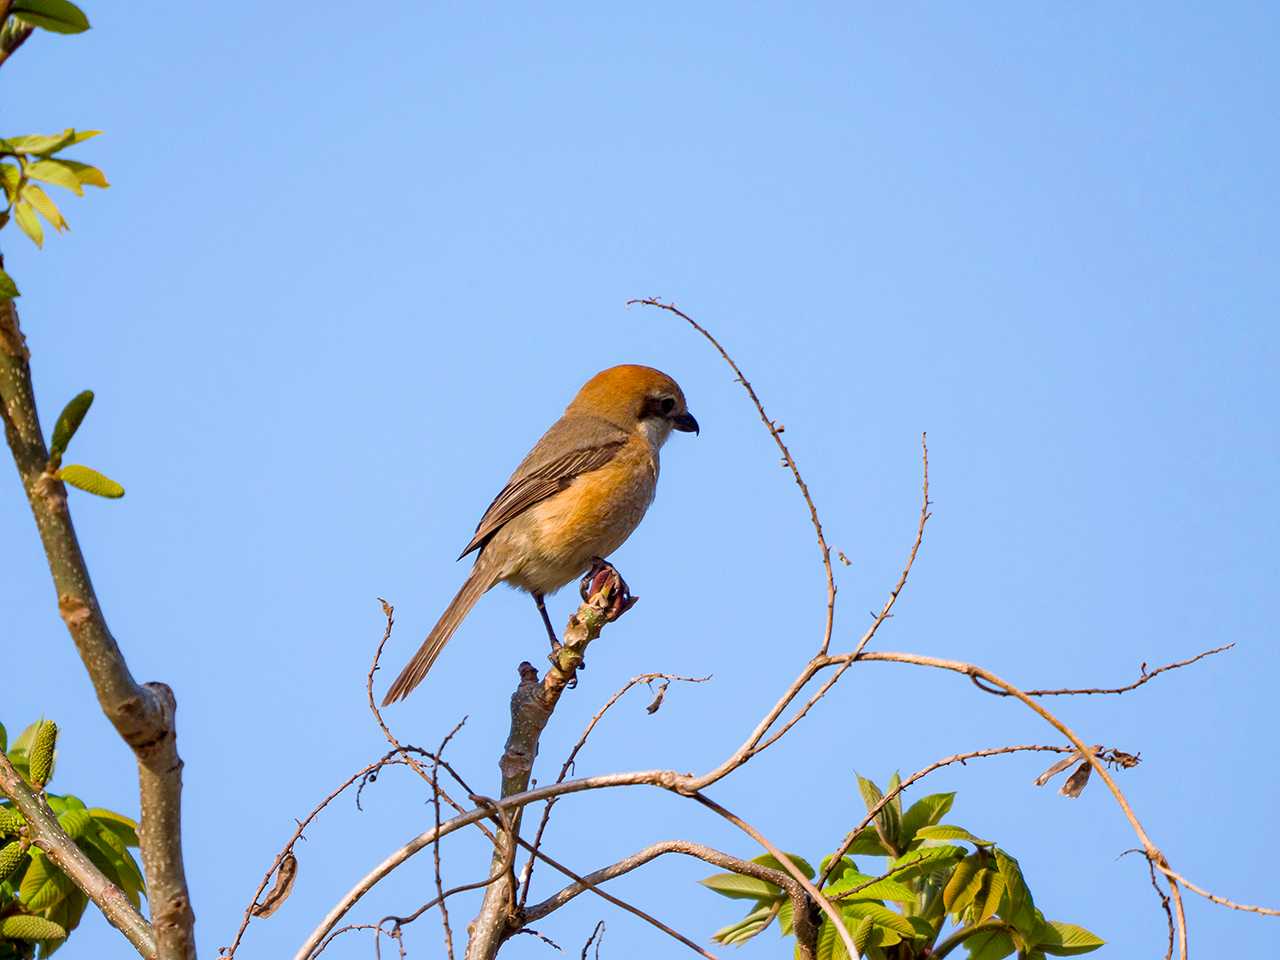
(604, 574)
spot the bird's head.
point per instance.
(636, 398)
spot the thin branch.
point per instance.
(142, 713)
(435, 847)
(616, 901)
(597, 932)
(640, 858)
(527, 873)
(1173, 875)
(961, 758)
(1144, 677)
(228, 953)
(886, 611)
(1164, 904)
(825, 905)
(47, 834)
(775, 431)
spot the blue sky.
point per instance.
(351, 266)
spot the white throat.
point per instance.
(655, 430)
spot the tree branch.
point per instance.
(143, 714)
(47, 834)
(531, 707)
(799, 899)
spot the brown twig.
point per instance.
(1173, 876)
(229, 952)
(961, 758)
(686, 848)
(435, 847)
(775, 431)
(597, 932)
(1086, 691)
(527, 873)
(1164, 901)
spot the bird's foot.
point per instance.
(604, 574)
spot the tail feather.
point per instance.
(480, 580)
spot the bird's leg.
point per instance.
(546, 621)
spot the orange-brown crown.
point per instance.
(619, 394)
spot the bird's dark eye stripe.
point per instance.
(667, 404)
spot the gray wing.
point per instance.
(572, 447)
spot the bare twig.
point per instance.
(775, 431)
(1144, 677)
(616, 901)
(435, 847)
(597, 932)
(1172, 875)
(1164, 904)
(527, 872)
(286, 851)
(142, 713)
(825, 905)
(47, 834)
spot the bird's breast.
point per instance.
(589, 518)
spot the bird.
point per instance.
(576, 496)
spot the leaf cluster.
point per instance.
(39, 905)
(940, 888)
(30, 160)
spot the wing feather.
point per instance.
(543, 473)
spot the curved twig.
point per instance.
(775, 431)
(1089, 691)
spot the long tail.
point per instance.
(482, 577)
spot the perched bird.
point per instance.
(577, 496)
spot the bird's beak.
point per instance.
(685, 423)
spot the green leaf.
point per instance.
(88, 176)
(57, 172)
(786, 918)
(965, 884)
(946, 831)
(881, 915)
(36, 196)
(770, 861)
(988, 902)
(867, 843)
(739, 887)
(872, 888)
(989, 945)
(43, 885)
(57, 16)
(117, 823)
(67, 915)
(25, 216)
(840, 868)
(90, 481)
(1067, 939)
(7, 289)
(69, 421)
(924, 930)
(925, 811)
(862, 933)
(10, 177)
(925, 860)
(75, 822)
(888, 820)
(126, 868)
(746, 928)
(1017, 906)
(4, 739)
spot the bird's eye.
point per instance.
(667, 405)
